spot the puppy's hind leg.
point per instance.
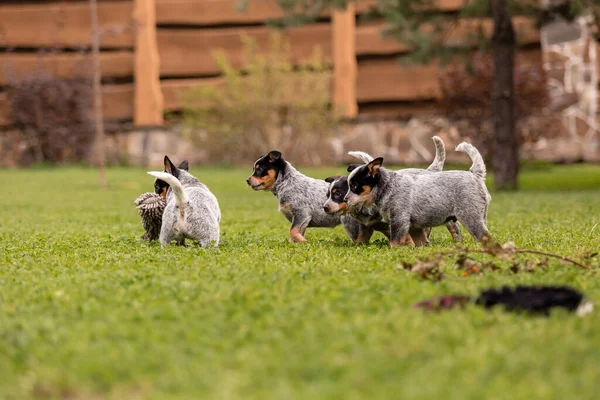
(166, 236)
(299, 225)
(399, 226)
(420, 237)
(454, 230)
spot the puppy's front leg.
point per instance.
(364, 234)
(299, 225)
(399, 226)
(420, 236)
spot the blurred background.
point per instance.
(224, 81)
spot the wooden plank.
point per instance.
(403, 110)
(65, 65)
(214, 12)
(174, 90)
(388, 80)
(369, 39)
(219, 12)
(344, 62)
(148, 98)
(64, 24)
(117, 99)
(187, 52)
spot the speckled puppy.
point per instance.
(408, 201)
(300, 197)
(192, 211)
(368, 218)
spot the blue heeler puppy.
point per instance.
(408, 201)
(192, 211)
(368, 217)
(300, 197)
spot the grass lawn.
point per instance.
(88, 310)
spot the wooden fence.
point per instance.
(154, 50)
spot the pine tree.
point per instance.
(406, 21)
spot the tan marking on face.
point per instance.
(334, 191)
(404, 240)
(266, 181)
(297, 235)
(334, 208)
(163, 193)
(365, 196)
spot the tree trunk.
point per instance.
(506, 151)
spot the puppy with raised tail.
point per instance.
(408, 201)
(369, 218)
(192, 211)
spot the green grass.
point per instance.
(88, 310)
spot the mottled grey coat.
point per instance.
(301, 200)
(428, 200)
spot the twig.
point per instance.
(543, 253)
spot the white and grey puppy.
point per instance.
(192, 211)
(409, 201)
(368, 217)
(300, 197)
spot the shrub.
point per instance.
(466, 98)
(53, 115)
(270, 104)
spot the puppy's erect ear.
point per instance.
(274, 156)
(352, 167)
(374, 166)
(170, 168)
(331, 178)
(184, 165)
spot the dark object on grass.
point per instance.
(530, 299)
(150, 207)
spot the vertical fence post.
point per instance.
(344, 61)
(148, 97)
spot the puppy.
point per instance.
(300, 197)
(420, 201)
(161, 187)
(192, 211)
(368, 217)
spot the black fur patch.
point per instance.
(160, 185)
(272, 161)
(338, 189)
(362, 178)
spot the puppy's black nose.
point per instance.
(248, 181)
(325, 209)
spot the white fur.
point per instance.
(181, 197)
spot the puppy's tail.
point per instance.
(478, 167)
(440, 155)
(180, 196)
(361, 155)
